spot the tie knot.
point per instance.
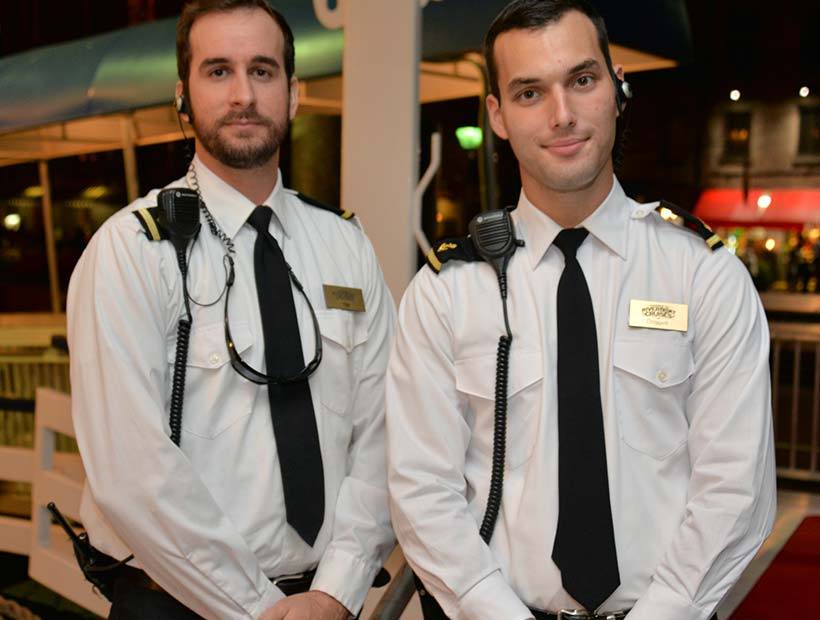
(569, 240)
(260, 218)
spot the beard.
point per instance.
(243, 154)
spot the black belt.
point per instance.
(289, 584)
(579, 615)
(294, 584)
(584, 615)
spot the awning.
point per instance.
(84, 96)
(784, 208)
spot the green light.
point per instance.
(469, 138)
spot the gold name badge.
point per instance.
(343, 298)
(658, 315)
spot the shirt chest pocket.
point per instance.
(342, 334)
(216, 397)
(475, 379)
(652, 383)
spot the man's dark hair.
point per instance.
(534, 15)
(197, 8)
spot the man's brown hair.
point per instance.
(197, 8)
(534, 15)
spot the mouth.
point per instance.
(566, 147)
(242, 122)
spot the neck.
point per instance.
(255, 184)
(568, 209)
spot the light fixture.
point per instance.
(804, 91)
(469, 138)
(734, 95)
(95, 192)
(764, 201)
(770, 243)
(12, 221)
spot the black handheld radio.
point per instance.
(179, 216)
(494, 239)
(97, 567)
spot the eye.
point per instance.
(584, 81)
(528, 94)
(261, 73)
(218, 72)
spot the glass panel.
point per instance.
(736, 143)
(23, 264)
(86, 190)
(810, 131)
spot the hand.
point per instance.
(311, 605)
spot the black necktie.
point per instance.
(291, 408)
(584, 546)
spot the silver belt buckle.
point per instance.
(286, 578)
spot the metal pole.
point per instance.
(394, 601)
(380, 127)
(51, 246)
(129, 157)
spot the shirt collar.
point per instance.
(608, 223)
(229, 207)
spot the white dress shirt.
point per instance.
(687, 421)
(207, 520)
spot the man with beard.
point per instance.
(639, 470)
(268, 501)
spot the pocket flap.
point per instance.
(207, 348)
(663, 365)
(340, 327)
(476, 375)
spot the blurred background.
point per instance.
(725, 122)
(730, 130)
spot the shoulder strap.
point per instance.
(451, 248)
(148, 217)
(345, 215)
(695, 224)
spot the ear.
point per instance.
(179, 90)
(619, 71)
(294, 98)
(495, 116)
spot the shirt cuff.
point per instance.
(345, 577)
(270, 597)
(490, 599)
(661, 602)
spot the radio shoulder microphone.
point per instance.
(493, 236)
(179, 210)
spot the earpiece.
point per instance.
(183, 107)
(623, 92)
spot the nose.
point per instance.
(561, 113)
(242, 94)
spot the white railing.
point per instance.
(795, 363)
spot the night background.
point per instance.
(738, 121)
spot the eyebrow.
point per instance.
(586, 65)
(589, 63)
(210, 62)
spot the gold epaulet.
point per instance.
(345, 215)
(452, 248)
(690, 222)
(148, 218)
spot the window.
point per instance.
(736, 137)
(809, 132)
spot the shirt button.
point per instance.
(662, 376)
(214, 359)
(639, 213)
